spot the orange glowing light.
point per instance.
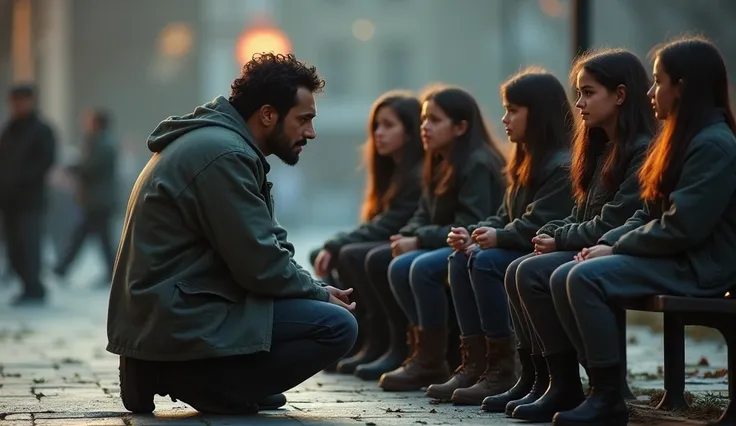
(260, 40)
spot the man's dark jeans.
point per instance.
(307, 336)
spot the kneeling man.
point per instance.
(207, 303)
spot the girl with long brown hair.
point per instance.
(680, 243)
(393, 157)
(539, 122)
(463, 182)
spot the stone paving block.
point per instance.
(15, 390)
(23, 416)
(113, 421)
(178, 417)
(264, 420)
(81, 415)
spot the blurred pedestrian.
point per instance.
(96, 184)
(27, 152)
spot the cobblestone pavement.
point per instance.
(54, 371)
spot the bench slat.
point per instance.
(691, 304)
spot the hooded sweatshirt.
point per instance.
(202, 256)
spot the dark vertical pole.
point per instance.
(580, 26)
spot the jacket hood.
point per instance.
(217, 112)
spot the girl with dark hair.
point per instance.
(539, 122)
(680, 243)
(463, 182)
(610, 145)
(393, 156)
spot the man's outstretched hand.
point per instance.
(340, 297)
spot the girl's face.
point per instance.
(663, 93)
(389, 134)
(597, 105)
(514, 121)
(437, 130)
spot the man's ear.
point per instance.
(268, 116)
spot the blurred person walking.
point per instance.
(27, 152)
(96, 191)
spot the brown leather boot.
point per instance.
(499, 376)
(426, 367)
(473, 352)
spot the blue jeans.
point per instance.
(418, 280)
(307, 336)
(478, 291)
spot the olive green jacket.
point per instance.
(202, 257)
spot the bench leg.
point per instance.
(728, 418)
(621, 320)
(674, 364)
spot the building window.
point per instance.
(334, 66)
(396, 66)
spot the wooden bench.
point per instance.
(679, 312)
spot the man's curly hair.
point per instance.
(272, 79)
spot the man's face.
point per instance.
(291, 133)
(20, 106)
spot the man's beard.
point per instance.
(282, 147)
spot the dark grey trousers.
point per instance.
(585, 294)
(533, 291)
(525, 335)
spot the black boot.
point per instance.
(398, 351)
(604, 407)
(375, 338)
(139, 382)
(497, 403)
(272, 402)
(539, 386)
(565, 390)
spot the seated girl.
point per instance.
(539, 122)
(463, 182)
(393, 155)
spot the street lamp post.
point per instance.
(580, 26)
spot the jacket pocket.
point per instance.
(199, 312)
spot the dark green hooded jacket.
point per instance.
(202, 256)
(696, 224)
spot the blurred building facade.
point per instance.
(145, 60)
